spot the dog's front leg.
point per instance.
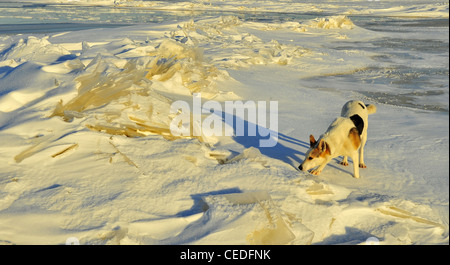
(344, 161)
(318, 170)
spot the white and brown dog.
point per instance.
(344, 137)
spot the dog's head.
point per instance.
(317, 154)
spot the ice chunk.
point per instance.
(318, 189)
(333, 22)
(122, 101)
(264, 221)
(64, 67)
(37, 147)
(238, 49)
(103, 85)
(275, 230)
(277, 233)
(33, 49)
(400, 213)
(73, 146)
(176, 60)
(252, 154)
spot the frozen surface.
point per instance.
(407, 8)
(85, 115)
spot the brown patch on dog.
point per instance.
(315, 153)
(322, 150)
(353, 135)
(326, 150)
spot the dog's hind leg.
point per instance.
(361, 151)
(355, 165)
(344, 161)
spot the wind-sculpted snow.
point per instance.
(404, 8)
(87, 151)
(238, 49)
(33, 49)
(123, 96)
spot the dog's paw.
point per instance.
(316, 172)
(362, 165)
(344, 163)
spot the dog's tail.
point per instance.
(371, 109)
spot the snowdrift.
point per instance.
(403, 8)
(87, 151)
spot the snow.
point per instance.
(87, 151)
(407, 8)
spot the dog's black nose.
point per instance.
(300, 167)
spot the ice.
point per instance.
(17, 92)
(251, 154)
(33, 49)
(396, 212)
(242, 49)
(87, 150)
(248, 197)
(95, 89)
(106, 86)
(41, 144)
(277, 233)
(269, 226)
(137, 86)
(64, 67)
(334, 22)
(175, 59)
(318, 189)
(71, 147)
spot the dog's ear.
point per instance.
(322, 145)
(312, 141)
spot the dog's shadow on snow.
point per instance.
(279, 151)
(293, 156)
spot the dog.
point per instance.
(343, 137)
